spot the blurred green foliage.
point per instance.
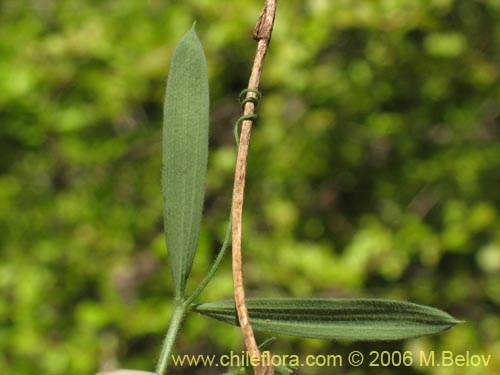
(374, 171)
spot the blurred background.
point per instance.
(374, 171)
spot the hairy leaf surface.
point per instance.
(185, 151)
(340, 319)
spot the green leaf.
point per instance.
(340, 319)
(185, 151)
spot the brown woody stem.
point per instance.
(262, 34)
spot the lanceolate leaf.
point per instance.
(185, 149)
(341, 319)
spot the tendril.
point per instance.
(244, 99)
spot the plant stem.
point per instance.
(262, 34)
(215, 266)
(180, 310)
